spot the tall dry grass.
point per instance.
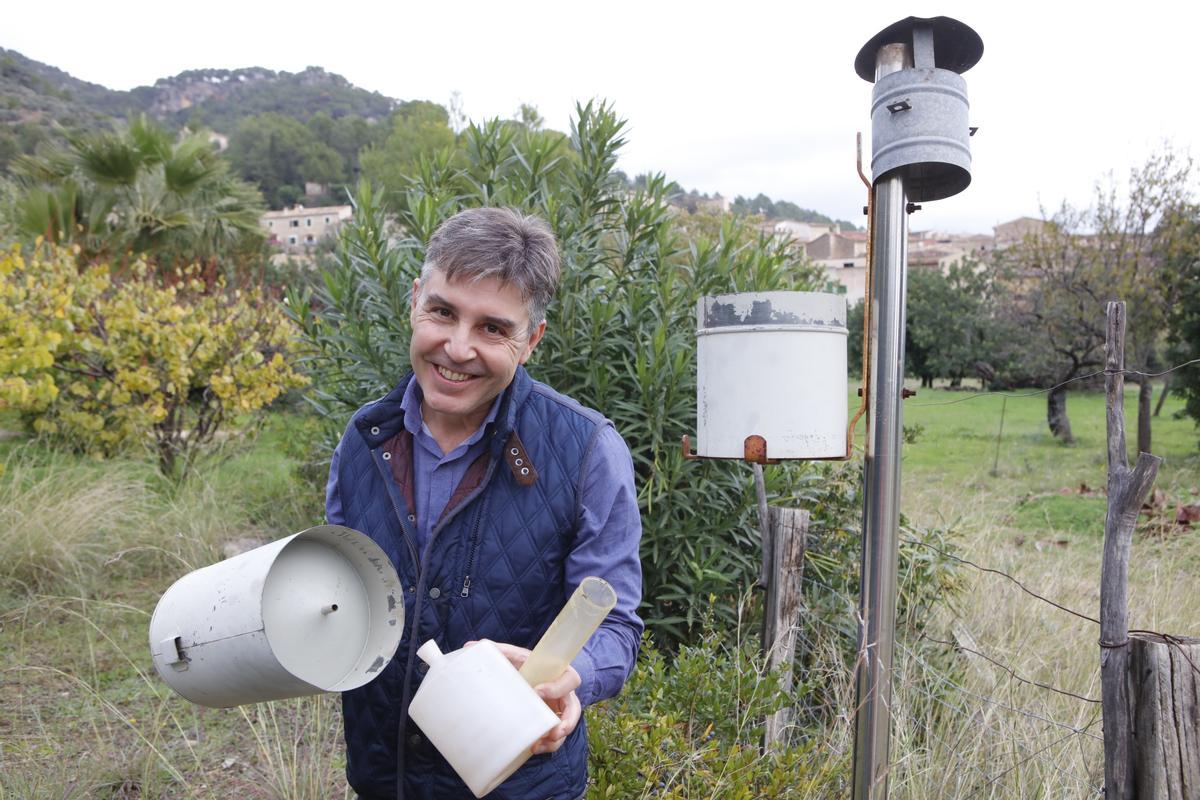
(85, 550)
(61, 520)
(976, 725)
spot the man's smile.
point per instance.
(451, 375)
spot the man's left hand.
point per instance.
(559, 694)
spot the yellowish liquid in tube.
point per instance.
(566, 636)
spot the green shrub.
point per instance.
(693, 729)
(106, 364)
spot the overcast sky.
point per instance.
(737, 98)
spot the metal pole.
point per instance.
(881, 503)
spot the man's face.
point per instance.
(468, 337)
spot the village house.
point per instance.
(843, 255)
(1012, 232)
(715, 204)
(803, 232)
(298, 229)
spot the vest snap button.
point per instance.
(435, 593)
(518, 462)
(387, 456)
(515, 452)
(524, 470)
(375, 431)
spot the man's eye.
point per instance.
(441, 312)
(494, 330)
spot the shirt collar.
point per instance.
(410, 404)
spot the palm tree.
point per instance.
(138, 190)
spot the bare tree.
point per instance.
(1059, 279)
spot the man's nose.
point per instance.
(459, 346)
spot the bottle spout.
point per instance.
(430, 653)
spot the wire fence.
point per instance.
(1077, 379)
(983, 706)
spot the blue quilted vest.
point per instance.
(493, 568)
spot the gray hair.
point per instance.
(498, 243)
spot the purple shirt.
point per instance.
(435, 475)
(610, 529)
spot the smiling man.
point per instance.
(494, 496)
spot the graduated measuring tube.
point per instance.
(566, 636)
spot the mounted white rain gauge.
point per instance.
(318, 611)
(771, 377)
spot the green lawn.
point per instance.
(961, 465)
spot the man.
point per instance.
(494, 496)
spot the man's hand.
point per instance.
(559, 694)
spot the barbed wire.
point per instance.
(1029, 758)
(958, 687)
(1169, 639)
(1009, 670)
(1001, 573)
(1074, 731)
(1078, 378)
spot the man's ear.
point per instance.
(534, 338)
(416, 293)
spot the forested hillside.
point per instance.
(39, 102)
(300, 136)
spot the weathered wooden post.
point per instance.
(1164, 695)
(789, 532)
(1127, 490)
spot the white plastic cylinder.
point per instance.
(318, 611)
(479, 713)
(587, 607)
(771, 364)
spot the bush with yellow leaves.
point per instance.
(106, 364)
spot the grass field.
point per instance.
(87, 547)
(960, 451)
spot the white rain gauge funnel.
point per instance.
(771, 378)
(318, 611)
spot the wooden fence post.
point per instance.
(789, 532)
(1127, 491)
(1164, 689)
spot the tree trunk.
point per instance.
(1056, 415)
(1145, 395)
(1162, 396)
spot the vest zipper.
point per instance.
(466, 587)
(391, 493)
